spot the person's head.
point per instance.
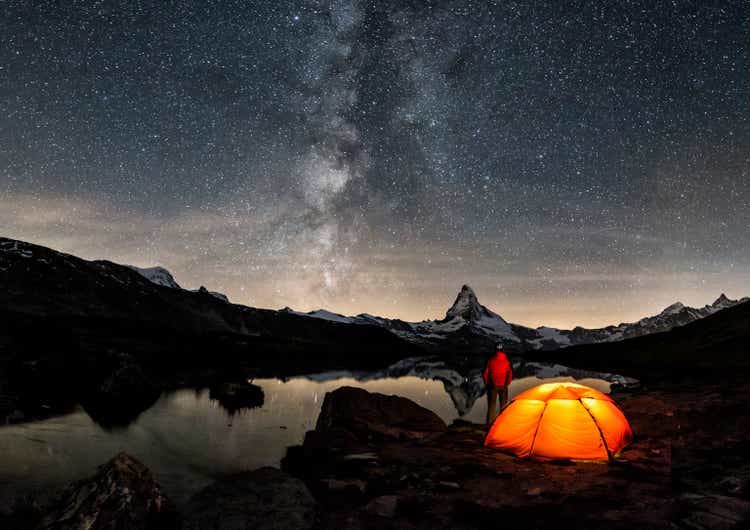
(499, 347)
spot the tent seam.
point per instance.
(538, 424)
(601, 434)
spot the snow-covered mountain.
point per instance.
(672, 316)
(215, 294)
(161, 276)
(469, 321)
(157, 275)
(468, 329)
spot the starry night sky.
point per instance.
(575, 162)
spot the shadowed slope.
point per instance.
(716, 346)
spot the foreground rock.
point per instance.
(121, 495)
(265, 498)
(366, 413)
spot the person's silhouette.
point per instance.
(497, 377)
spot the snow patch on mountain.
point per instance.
(161, 276)
(552, 335)
(323, 315)
(673, 309)
(157, 275)
(220, 296)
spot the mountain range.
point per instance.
(468, 317)
(468, 326)
(113, 337)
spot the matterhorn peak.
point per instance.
(466, 305)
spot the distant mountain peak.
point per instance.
(674, 308)
(467, 308)
(220, 296)
(722, 300)
(466, 305)
(157, 275)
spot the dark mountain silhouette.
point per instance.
(111, 338)
(469, 327)
(73, 330)
(715, 347)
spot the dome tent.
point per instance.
(556, 421)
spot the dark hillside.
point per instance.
(717, 346)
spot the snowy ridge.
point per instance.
(220, 296)
(114, 271)
(161, 276)
(468, 317)
(468, 328)
(157, 275)
(322, 314)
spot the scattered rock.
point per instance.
(449, 485)
(714, 511)
(534, 492)
(384, 506)
(265, 498)
(121, 495)
(362, 456)
(237, 396)
(733, 485)
(343, 486)
(368, 413)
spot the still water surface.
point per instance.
(187, 439)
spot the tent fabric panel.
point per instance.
(563, 392)
(567, 431)
(612, 422)
(514, 429)
(539, 392)
(547, 391)
(592, 393)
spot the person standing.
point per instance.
(497, 377)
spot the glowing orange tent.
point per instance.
(561, 421)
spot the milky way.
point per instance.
(576, 163)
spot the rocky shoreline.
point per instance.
(378, 461)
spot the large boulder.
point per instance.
(265, 498)
(366, 414)
(236, 396)
(120, 396)
(122, 495)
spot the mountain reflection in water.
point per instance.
(187, 439)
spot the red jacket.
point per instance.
(498, 370)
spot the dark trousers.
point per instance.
(495, 394)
